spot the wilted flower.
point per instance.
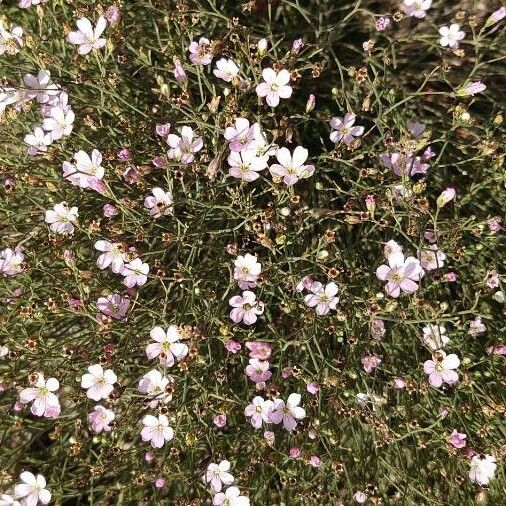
(402, 164)
(434, 337)
(61, 218)
(112, 14)
(100, 418)
(450, 36)
(98, 383)
(482, 469)
(457, 440)
(114, 305)
(377, 329)
(440, 369)
(382, 24)
(476, 327)
(370, 362)
(262, 46)
(288, 412)
(432, 258)
(446, 196)
(200, 53)
(275, 86)
(156, 430)
(292, 167)
(87, 37)
(226, 70)
(179, 72)
(343, 129)
(496, 16)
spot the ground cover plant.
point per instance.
(252, 252)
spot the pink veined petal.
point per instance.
(357, 131)
(290, 179)
(104, 260)
(269, 75)
(382, 272)
(236, 314)
(44, 496)
(331, 290)
(28, 478)
(250, 410)
(147, 433)
(299, 156)
(272, 99)
(336, 136)
(311, 300)
(117, 264)
(277, 170)
(197, 144)
(393, 289)
(84, 49)
(85, 26)
(435, 379)
(289, 422)
(408, 286)
(236, 301)
(22, 490)
(336, 123)
(276, 416)
(349, 119)
(429, 367)
(322, 309)
(153, 350)
(249, 317)
(38, 406)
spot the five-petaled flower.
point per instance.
(166, 346)
(246, 308)
(98, 383)
(61, 218)
(45, 402)
(218, 475)
(156, 430)
(291, 167)
(450, 36)
(441, 369)
(32, 490)
(160, 203)
(182, 148)
(275, 86)
(323, 298)
(258, 411)
(288, 412)
(87, 37)
(343, 129)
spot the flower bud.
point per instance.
(445, 197)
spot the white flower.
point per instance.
(291, 167)
(166, 345)
(59, 123)
(41, 88)
(98, 383)
(184, 147)
(154, 384)
(135, 273)
(323, 298)
(245, 308)
(61, 218)
(87, 37)
(10, 40)
(160, 203)
(246, 271)
(38, 141)
(45, 402)
(217, 475)
(434, 337)
(275, 86)
(11, 262)
(226, 70)
(113, 255)
(32, 489)
(85, 168)
(258, 411)
(8, 500)
(241, 136)
(260, 145)
(416, 8)
(231, 497)
(482, 469)
(156, 430)
(245, 165)
(450, 36)
(288, 412)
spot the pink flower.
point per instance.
(315, 461)
(492, 279)
(497, 350)
(38, 141)
(45, 402)
(496, 16)
(240, 137)
(233, 346)
(476, 327)
(269, 437)
(246, 165)
(258, 370)
(451, 277)
(440, 369)
(494, 225)
(295, 453)
(377, 329)
(446, 196)
(313, 387)
(246, 308)
(162, 129)
(160, 203)
(220, 421)
(402, 164)
(304, 284)
(112, 14)
(113, 255)
(246, 271)
(288, 412)
(399, 383)
(258, 411)
(159, 483)
(471, 89)
(87, 172)
(11, 261)
(370, 362)
(432, 258)
(179, 72)
(114, 305)
(166, 345)
(323, 298)
(292, 167)
(200, 53)
(135, 273)
(275, 86)
(110, 210)
(259, 350)
(61, 218)
(41, 88)
(100, 418)
(87, 37)
(401, 274)
(343, 129)
(457, 439)
(154, 384)
(217, 475)
(156, 430)
(98, 383)
(382, 24)
(231, 497)
(183, 148)
(450, 36)
(32, 490)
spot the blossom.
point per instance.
(182, 148)
(11, 40)
(496, 16)
(450, 36)
(160, 204)
(246, 308)
(32, 490)
(323, 298)
(179, 72)
(98, 383)
(217, 475)
(432, 258)
(45, 402)
(440, 369)
(446, 196)
(40, 87)
(87, 172)
(258, 370)
(226, 70)
(343, 129)
(135, 273)
(166, 345)
(260, 145)
(258, 411)
(110, 210)
(382, 24)
(416, 8)
(258, 349)
(401, 274)
(291, 167)
(24, 4)
(275, 86)
(233, 346)
(231, 497)
(87, 37)
(156, 430)
(246, 271)
(360, 497)
(100, 419)
(11, 261)
(38, 141)
(288, 412)
(476, 327)
(457, 440)
(245, 165)
(241, 136)
(61, 218)
(154, 384)
(404, 164)
(471, 89)
(377, 329)
(200, 53)
(59, 123)
(113, 255)
(482, 469)
(370, 362)
(434, 337)
(262, 46)
(112, 14)
(220, 421)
